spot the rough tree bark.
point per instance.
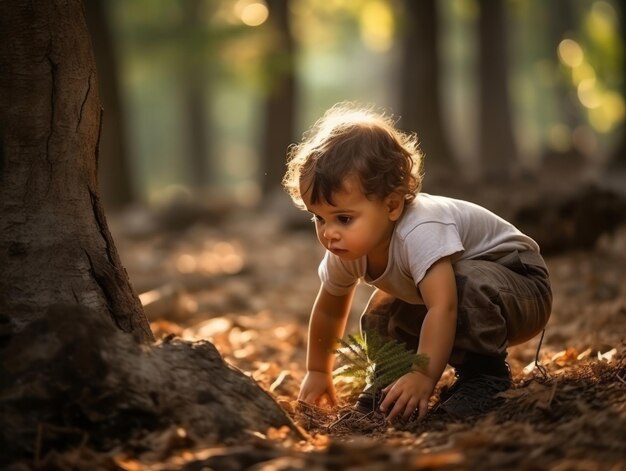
(72, 378)
(55, 245)
(71, 368)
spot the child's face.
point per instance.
(355, 225)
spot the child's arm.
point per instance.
(412, 391)
(327, 324)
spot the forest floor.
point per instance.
(246, 282)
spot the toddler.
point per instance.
(454, 281)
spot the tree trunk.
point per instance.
(54, 241)
(77, 380)
(421, 108)
(193, 82)
(114, 179)
(70, 372)
(618, 158)
(280, 100)
(570, 163)
(497, 145)
(562, 22)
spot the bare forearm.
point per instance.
(413, 390)
(328, 321)
(436, 340)
(324, 330)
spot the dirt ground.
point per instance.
(246, 282)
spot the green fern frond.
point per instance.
(377, 360)
(357, 363)
(355, 344)
(351, 371)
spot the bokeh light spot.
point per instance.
(570, 53)
(377, 26)
(252, 13)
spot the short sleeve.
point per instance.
(429, 242)
(339, 277)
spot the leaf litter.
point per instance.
(251, 297)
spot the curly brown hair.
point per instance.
(350, 140)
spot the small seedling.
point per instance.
(375, 362)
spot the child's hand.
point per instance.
(408, 394)
(318, 387)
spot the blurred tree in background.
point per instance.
(213, 91)
(498, 153)
(421, 95)
(115, 180)
(280, 96)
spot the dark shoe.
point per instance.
(368, 401)
(475, 395)
(479, 381)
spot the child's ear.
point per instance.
(395, 205)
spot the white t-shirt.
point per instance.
(432, 227)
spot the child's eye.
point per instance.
(344, 219)
(316, 218)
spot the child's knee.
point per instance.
(390, 317)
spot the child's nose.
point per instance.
(330, 233)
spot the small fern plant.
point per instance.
(375, 362)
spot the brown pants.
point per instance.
(501, 302)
